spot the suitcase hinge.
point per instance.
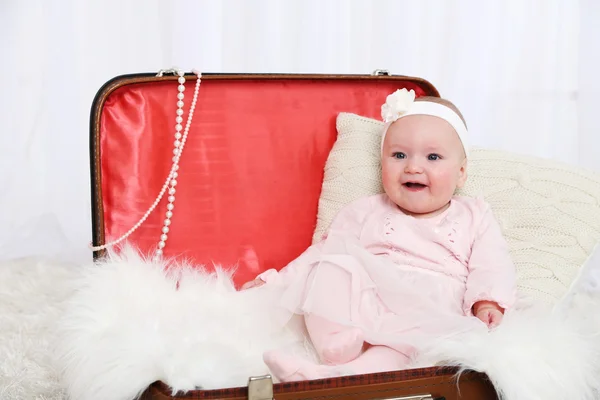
(381, 72)
(175, 71)
(260, 388)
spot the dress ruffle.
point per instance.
(398, 306)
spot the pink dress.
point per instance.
(403, 281)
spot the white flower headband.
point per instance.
(402, 103)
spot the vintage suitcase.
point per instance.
(249, 166)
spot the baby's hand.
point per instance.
(489, 312)
(255, 283)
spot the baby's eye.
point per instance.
(433, 157)
(398, 154)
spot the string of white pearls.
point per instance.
(171, 181)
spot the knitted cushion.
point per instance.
(549, 212)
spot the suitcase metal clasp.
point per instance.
(260, 388)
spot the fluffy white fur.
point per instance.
(534, 354)
(32, 295)
(127, 326)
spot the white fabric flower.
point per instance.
(397, 104)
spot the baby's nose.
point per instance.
(413, 167)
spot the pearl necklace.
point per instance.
(171, 180)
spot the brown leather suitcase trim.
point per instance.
(123, 80)
(441, 383)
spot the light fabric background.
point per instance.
(522, 71)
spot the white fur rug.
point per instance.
(126, 326)
(129, 325)
(32, 297)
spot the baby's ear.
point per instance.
(462, 174)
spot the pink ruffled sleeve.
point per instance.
(492, 275)
(348, 221)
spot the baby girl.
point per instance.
(401, 269)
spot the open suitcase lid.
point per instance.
(251, 171)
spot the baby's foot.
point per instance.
(342, 347)
(288, 368)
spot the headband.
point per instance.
(402, 103)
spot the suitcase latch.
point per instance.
(260, 388)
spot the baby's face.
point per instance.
(423, 162)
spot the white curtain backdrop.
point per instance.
(524, 73)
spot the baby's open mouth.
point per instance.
(415, 185)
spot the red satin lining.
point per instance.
(250, 174)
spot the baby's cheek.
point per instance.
(390, 173)
(445, 180)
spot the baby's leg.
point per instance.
(331, 290)
(334, 343)
(289, 368)
(378, 359)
